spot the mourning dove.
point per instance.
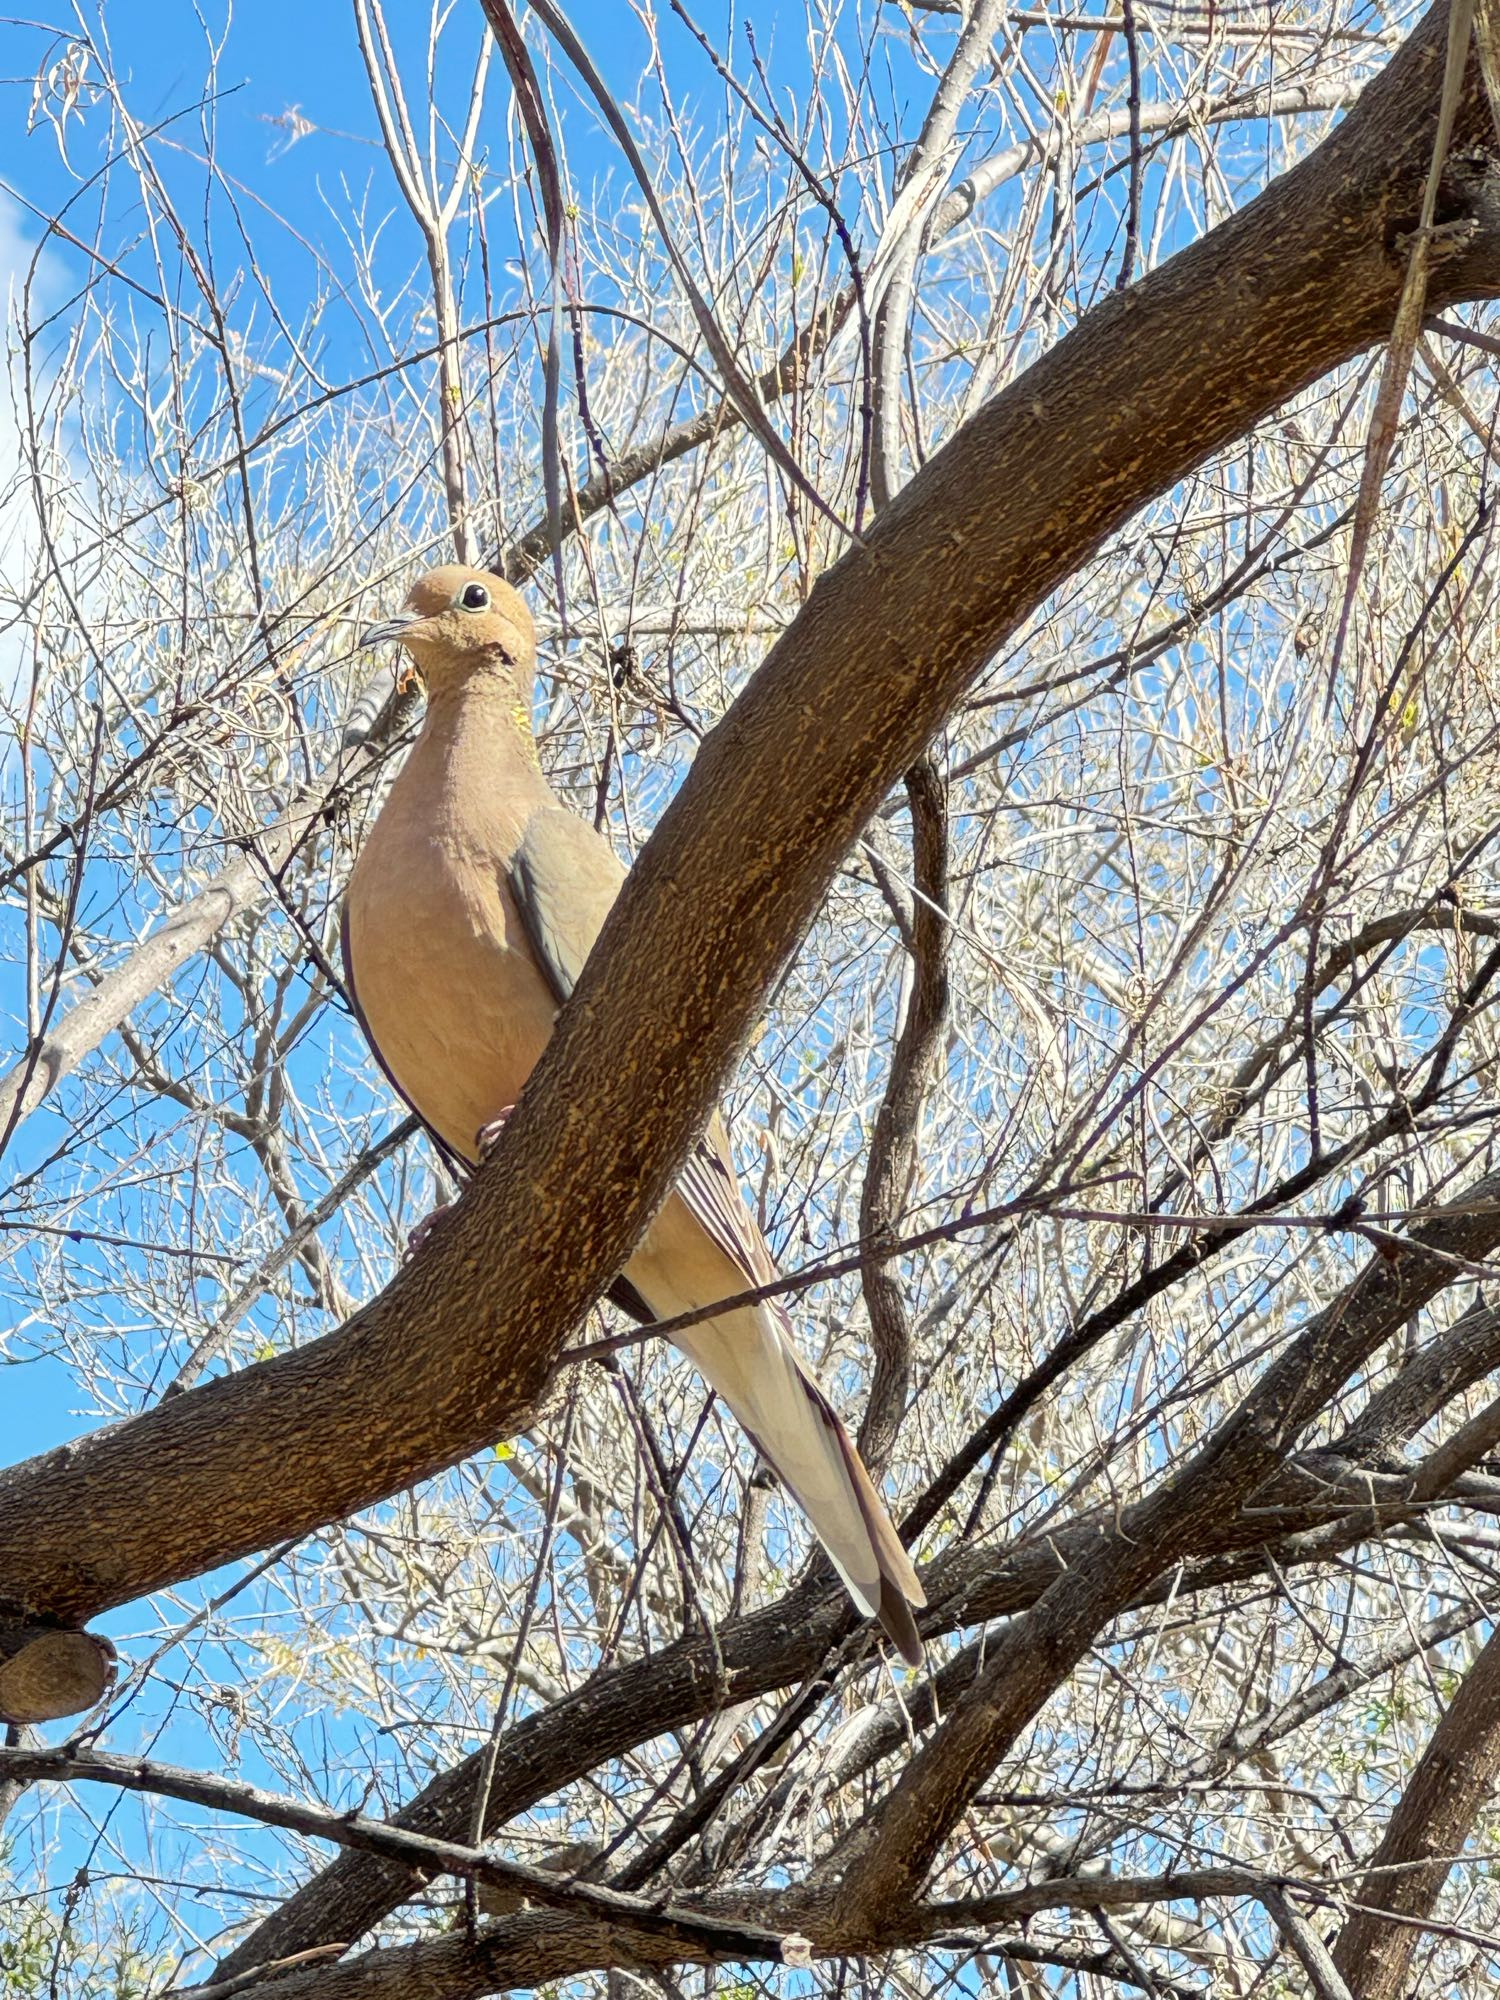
(468, 917)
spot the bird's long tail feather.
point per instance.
(755, 1368)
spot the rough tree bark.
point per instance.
(1427, 1830)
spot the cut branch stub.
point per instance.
(48, 1671)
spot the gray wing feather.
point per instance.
(564, 878)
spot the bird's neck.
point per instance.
(485, 718)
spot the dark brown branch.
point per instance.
(545, 1950)
(893, 1145)
(891, 1730)
(1453, 1361)
(682, 1928)
(1429, 1826)
(538, 1947)
(528, 1951)
(1322, 1973)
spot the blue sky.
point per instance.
(278, 60)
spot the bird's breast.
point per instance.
(444, 978)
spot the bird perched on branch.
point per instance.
(472, 907)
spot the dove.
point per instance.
(471, 908)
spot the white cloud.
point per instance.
(31, 284)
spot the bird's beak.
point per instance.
(389, 628)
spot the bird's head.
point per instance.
(459, 623)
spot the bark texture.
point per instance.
(1426, 1832)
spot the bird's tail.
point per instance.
(750, 1359)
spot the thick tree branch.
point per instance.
(1321, 1971)
(535, 1947)
(1429, 1826)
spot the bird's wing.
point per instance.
(565, 877)
(711, 1190)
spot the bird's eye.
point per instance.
(474, 597)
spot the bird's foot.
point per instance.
(487, 1138)
(416, 1242)
(485, 1141)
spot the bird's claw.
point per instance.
(417, 1240)
(485, 1141)
(487, 1138)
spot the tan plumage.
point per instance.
(472, 907)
